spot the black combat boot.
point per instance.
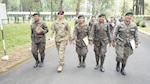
(97, 66)
(118, 67)
(41, 64)
(101, 66)
(83, 62)
(97, 62)
(80, 63)
(37, 62)
(122, 70)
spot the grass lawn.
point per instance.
(147, 29)
(17, 37)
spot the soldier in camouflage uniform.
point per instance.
(125, 32)
(100, 35)
(61, 29)
(38, 39)
(112, 24)
(92, 21)
(81, 32)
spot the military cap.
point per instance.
(102, 14)
(129, 13)
(80, 16)
(36, 14)
(60, 12)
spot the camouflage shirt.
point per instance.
(61, 30)
(100, 32)
(124, 33)
(34, 36)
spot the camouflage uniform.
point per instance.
(112, 24)
(81, 32)
(91, 23)
(38, 41)
(62, 35)
(100, 34)
(123, 34)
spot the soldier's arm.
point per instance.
(45, 28)
(115, 33)
(69, 31)
(91, 32)
(108, 34)
(52, 31)
(75, 34)
(136, 37)
(88, 31)
(31, 30)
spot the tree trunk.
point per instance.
(61, 4)
(93, 7)
(137, 7)
(6, 2)
(142, 7)
(78, 7)
(51, 10)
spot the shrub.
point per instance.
(142, 24)
(137, 21)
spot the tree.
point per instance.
(6, 2)
(51, 9)
(78, 7)
(61, 4)
(138, 7)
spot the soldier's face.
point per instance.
(102, 19)
(60, 16)
(93, 18)
(36, 18)
(81, 20)
(128, 18)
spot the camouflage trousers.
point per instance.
(123, 52)
(38, 47)
(81, 48)
(100, 49)
(61, 47)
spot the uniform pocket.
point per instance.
(132, 31)
(121, 29)
(106, 41)
(78, 43)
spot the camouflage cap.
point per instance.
(36, 14)
(129, 13)
(102, 14)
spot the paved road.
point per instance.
(147, 23)
(138, 69)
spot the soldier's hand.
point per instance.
(110, 44)
(38, 32)
(113, 44)
(90, 43)
(51, 40)
(74, 42)
(136, 46)
(70, 41)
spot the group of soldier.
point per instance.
(99, 32)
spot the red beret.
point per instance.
(60, 12)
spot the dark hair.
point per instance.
(36, 14)
(80, 16)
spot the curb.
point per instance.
(7, 68)
(144, 32)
